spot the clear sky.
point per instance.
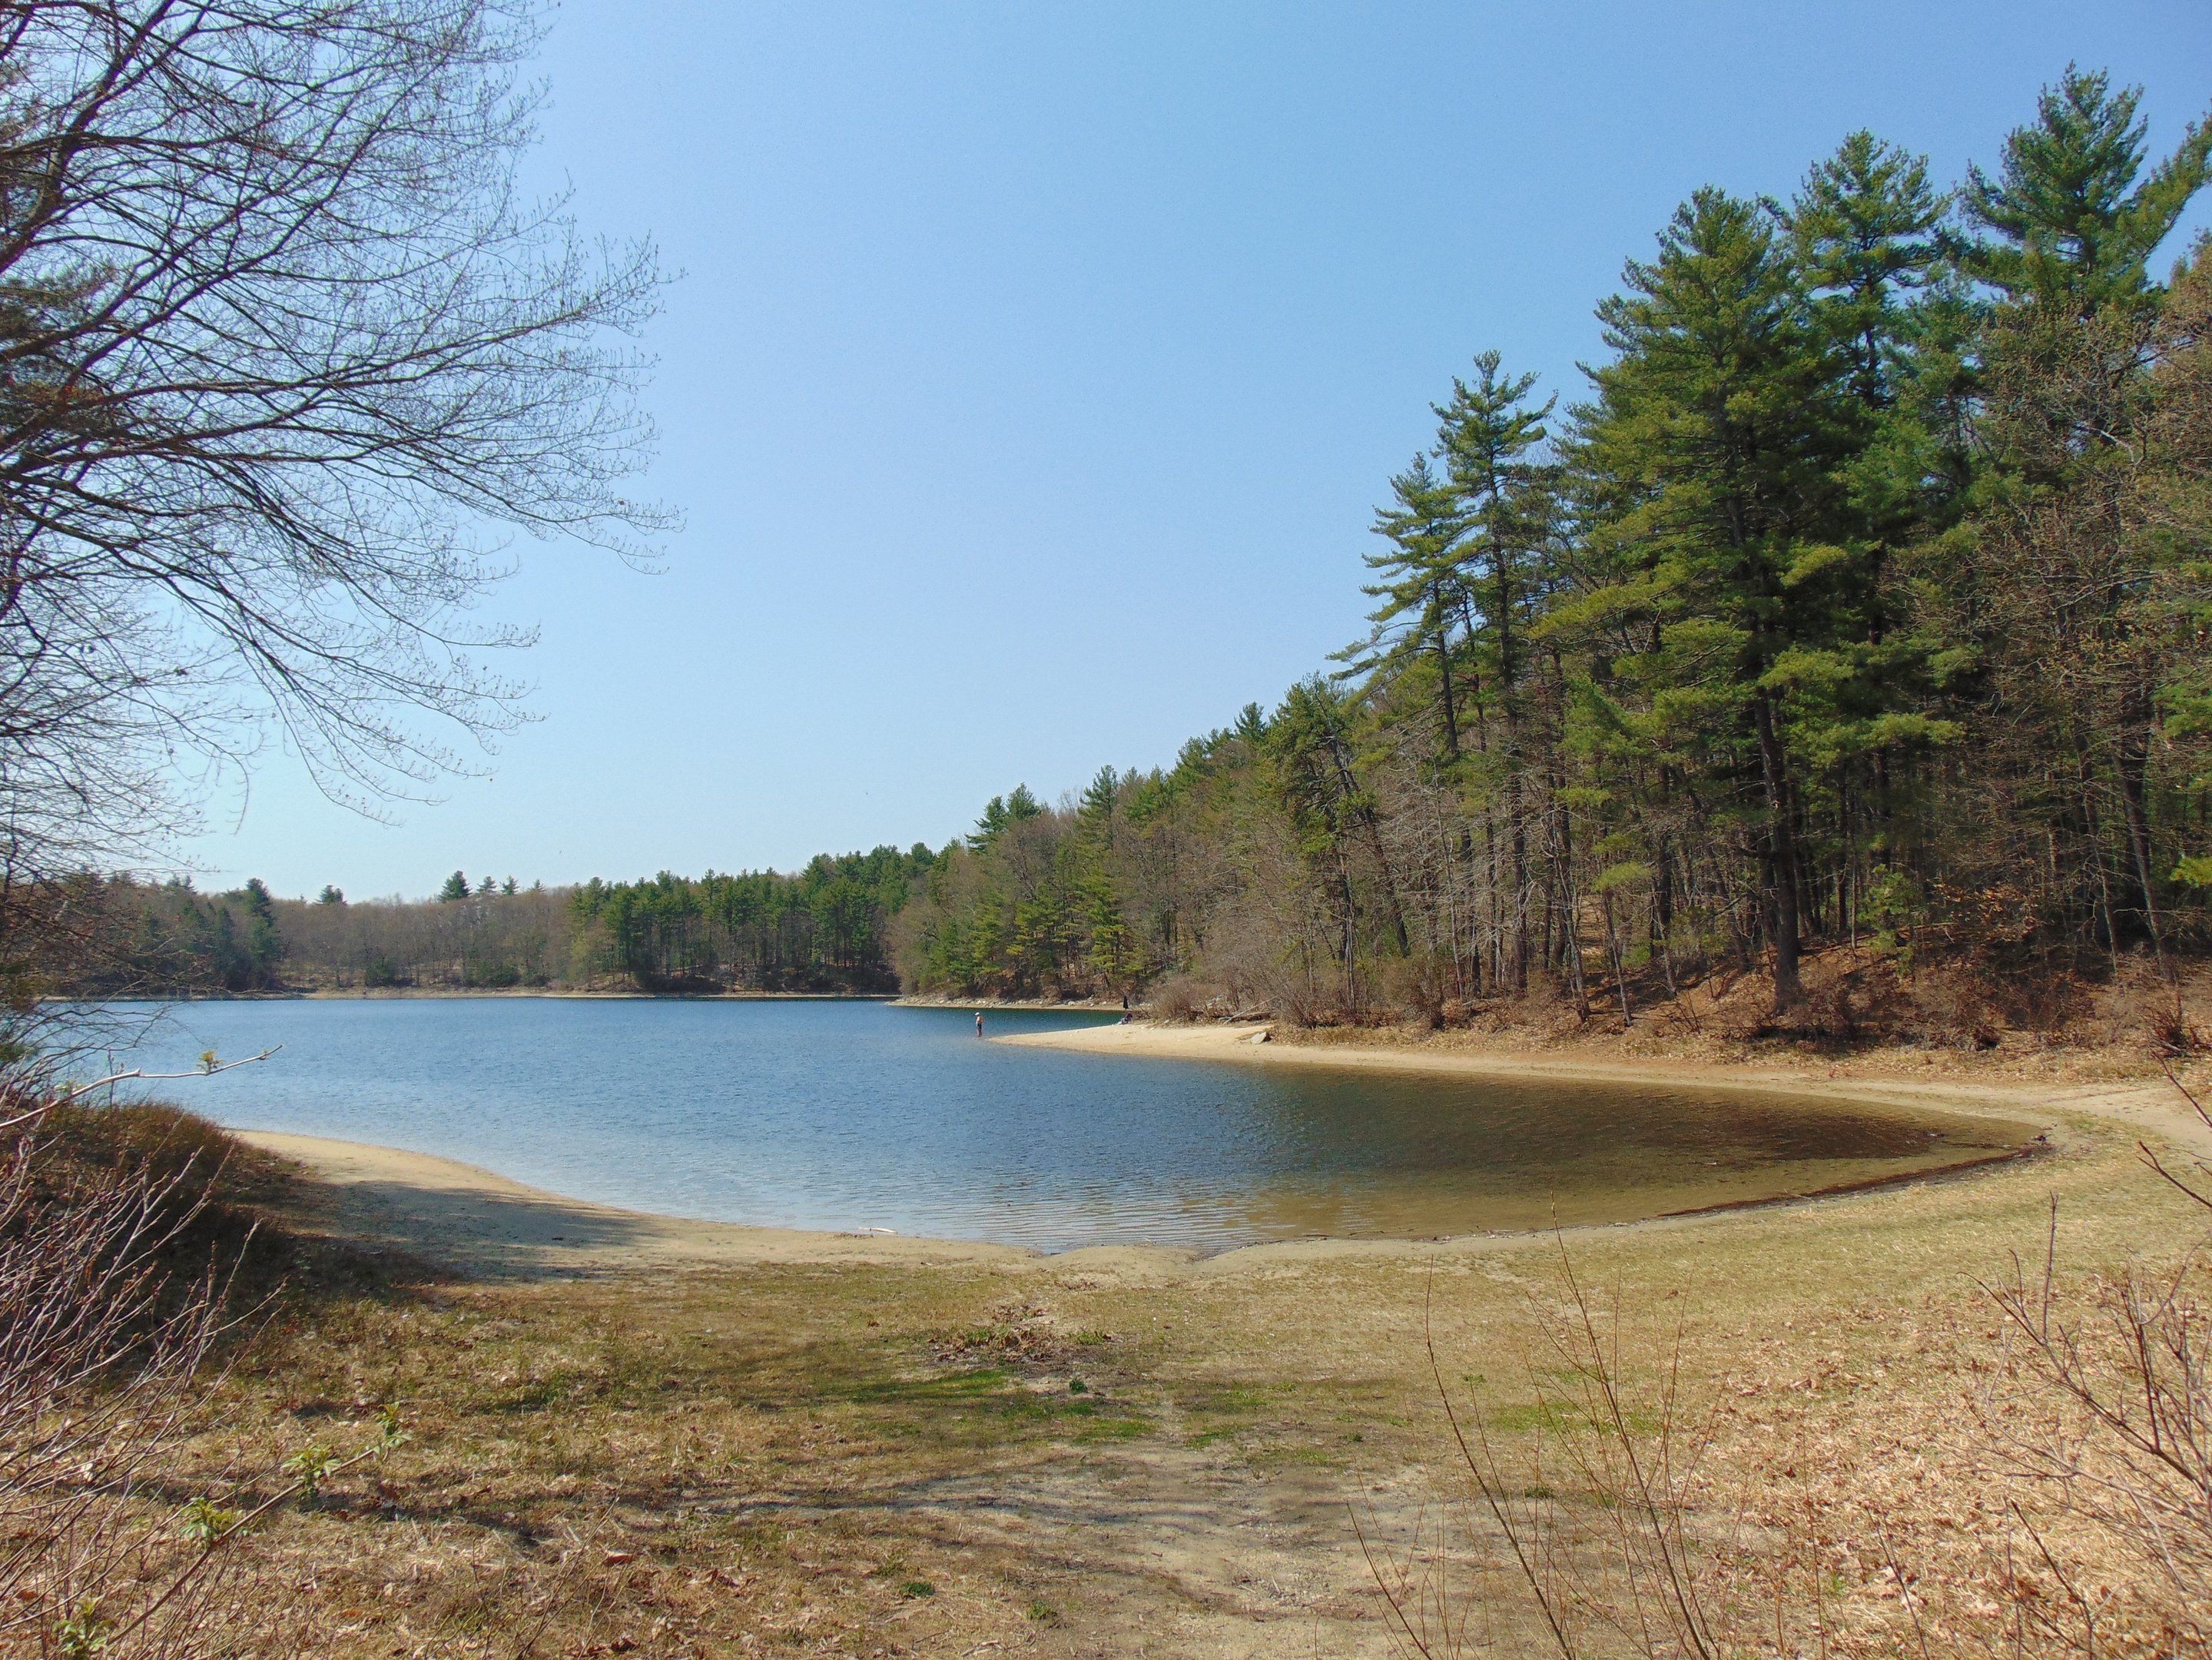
(1035, 369)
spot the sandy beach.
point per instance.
(2150, 1107)
(482, 1221)
(487, 1224)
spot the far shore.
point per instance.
(1025, 1005)
(314, 994)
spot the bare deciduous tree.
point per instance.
(286, 350)
(281, 336)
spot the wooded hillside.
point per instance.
(820, 930)
(1860, 600)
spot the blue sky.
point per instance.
(1035, 370)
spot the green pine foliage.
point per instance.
(128, 938)
(823, 929)
(1860, 600)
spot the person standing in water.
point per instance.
(979, 1023)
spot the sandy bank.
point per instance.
(1017, 1005)
(482, 1222)
(2152, 1107)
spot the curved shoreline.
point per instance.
(484, 1222)
(2151, 1106)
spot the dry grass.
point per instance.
(2024, 1468)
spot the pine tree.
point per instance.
(1419, 588)
(1886, 297)
(1720, 427)
(2058, 591)
(265, 945)
(1489, 437)
(2072, 229)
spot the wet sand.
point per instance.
(2151, 1107)
(480, 1220)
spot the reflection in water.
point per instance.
(856, 1115)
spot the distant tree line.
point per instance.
(1862, 601)
(127, 937)
(822, 929)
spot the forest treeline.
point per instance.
(1861, 600)
(821, 929)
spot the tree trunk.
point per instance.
(1781, 864)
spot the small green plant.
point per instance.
(83, 1632)
(1077, 1386)
(917, 1588)
(205, 1523)
(1044, 1613)
(310, 1467)
(1890, 903)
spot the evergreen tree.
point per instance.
(264, 944)
(1490, 438)
(2071, 228)
(1419, 588)
(1720, 422)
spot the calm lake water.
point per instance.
(849, 1116)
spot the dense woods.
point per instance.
(1860, 601)
(822, 929)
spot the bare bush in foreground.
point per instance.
(120, 1258)
(98, 1352)
(2123, 1448)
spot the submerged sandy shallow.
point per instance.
(482, 1222)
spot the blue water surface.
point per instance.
(860, 1115)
